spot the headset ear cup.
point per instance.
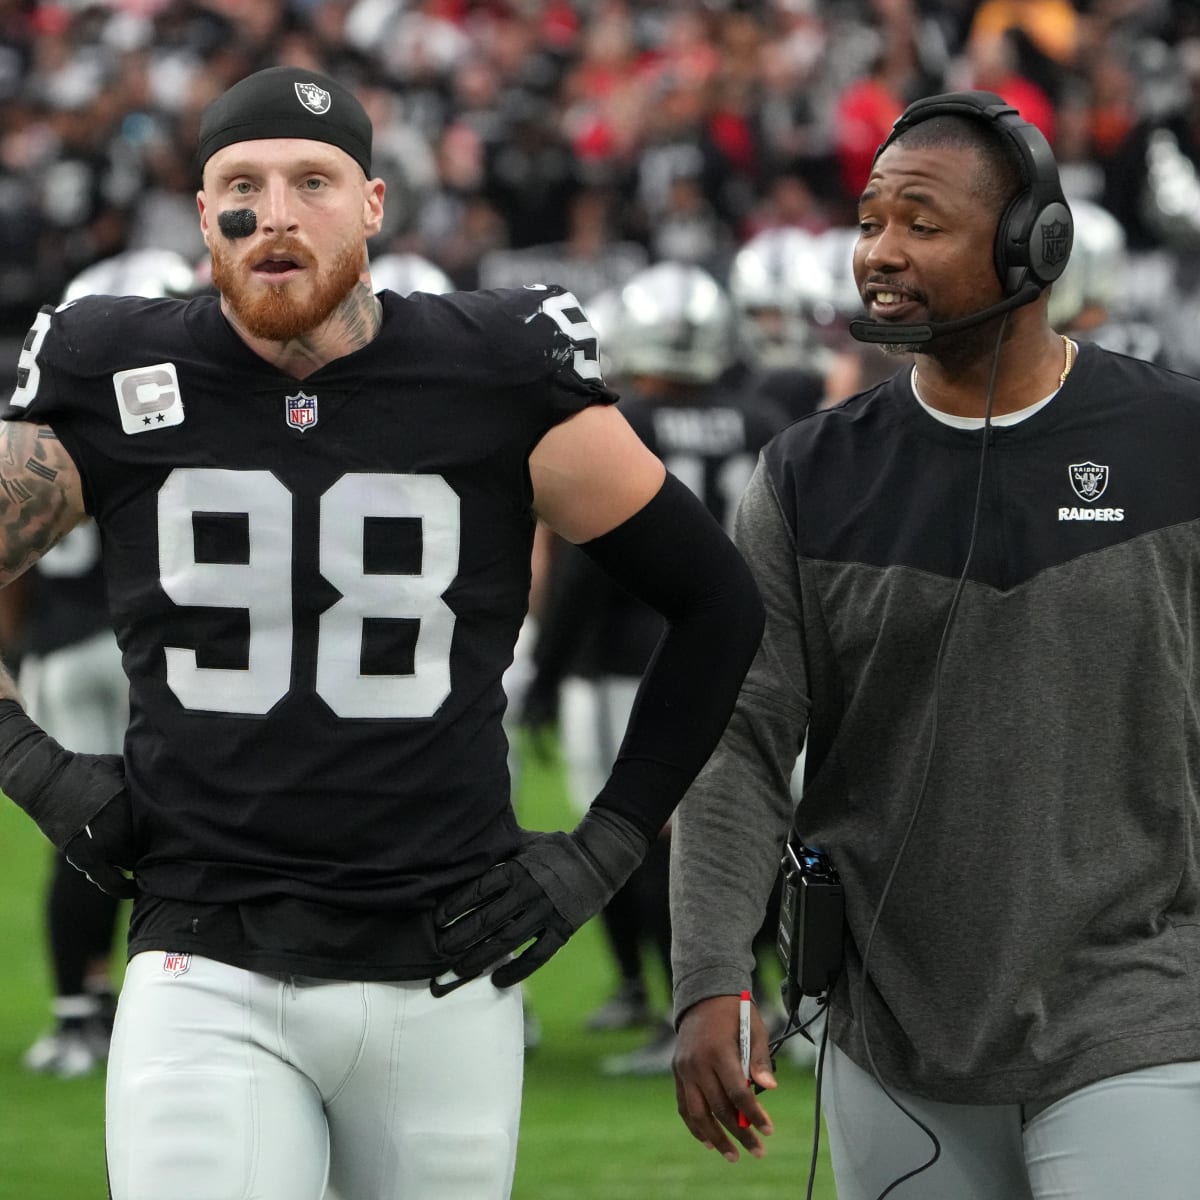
(1050, 237)
(1010, 251)
(1032, 245)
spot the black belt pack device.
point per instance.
(811, 917)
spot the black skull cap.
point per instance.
(286, 102)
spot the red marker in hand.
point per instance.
(744, 1048)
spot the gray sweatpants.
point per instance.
(1133, 1135)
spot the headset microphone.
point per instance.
(916, 335)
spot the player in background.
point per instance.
(780, 287)
(317, 505)
(793, 308)
(405, 273)
(73, 683)
(1099, 296)
(673, 337)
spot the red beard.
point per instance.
(275, 314)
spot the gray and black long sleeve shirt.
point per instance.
(1043, 927)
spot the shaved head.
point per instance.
(1000, 176)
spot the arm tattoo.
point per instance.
(40, 469)
(36, 505)
(14, 490)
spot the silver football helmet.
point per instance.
(408, 273)
(836, 248)
(780, 285)
(1097, 270)
(151, 273)
(603, 310)
(675, 321)
(1170, 200)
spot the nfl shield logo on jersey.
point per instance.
(301, 410)
(175, 963)
(315, 99)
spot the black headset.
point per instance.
(1033, 240)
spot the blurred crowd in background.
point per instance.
(579, 142)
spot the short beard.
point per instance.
(273, 314)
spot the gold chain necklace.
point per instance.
(1070, 347)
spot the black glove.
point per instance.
(79, 801)
(545, 892)
(105, 844)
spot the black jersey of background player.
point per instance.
(793, 391)
(709, 437)
(316, 584)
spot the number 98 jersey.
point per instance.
(316, 584)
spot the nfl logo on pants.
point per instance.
(175, 963)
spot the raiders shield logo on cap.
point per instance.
(315, 99)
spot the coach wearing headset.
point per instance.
(982, 581)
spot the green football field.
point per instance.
(584, 1136)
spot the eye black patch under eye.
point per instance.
(237, 222)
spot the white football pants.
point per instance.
(593, 714)
(226, 1084)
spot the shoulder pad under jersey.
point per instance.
(90, 338)
(532, 332)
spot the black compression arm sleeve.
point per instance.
(675, 557)
(60, 790)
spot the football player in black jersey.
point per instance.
(316, 507)
(673, 338)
